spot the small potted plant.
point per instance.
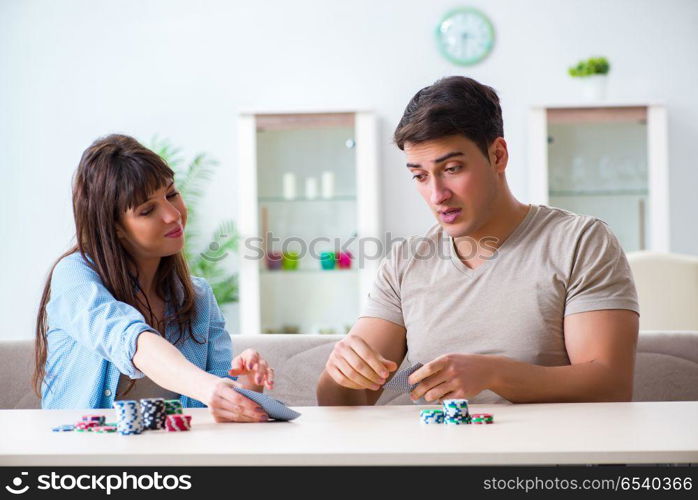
(593, 73)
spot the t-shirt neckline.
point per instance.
(515, 235)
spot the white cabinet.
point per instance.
(309, 205)
(609, 161)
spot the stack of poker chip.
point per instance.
(96, 419)
(129, 417)
(89, 422)
(456, 411)
(153, 413)
(104, 428)
(482, 418)
(177, 422)
(85, 426)
(431, 416)
(133, 417)
(64, 428)
(173, 407)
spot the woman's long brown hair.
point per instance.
(115, 174)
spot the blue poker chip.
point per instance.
(431, 416)
(129, 418)
(456, 420)
(125, 405)
(64, 428)
(456, 414)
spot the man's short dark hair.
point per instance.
(455, 105)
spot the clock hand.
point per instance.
(465, 38)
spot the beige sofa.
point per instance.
(666, 367)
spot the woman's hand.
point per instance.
(227, 405)
(255, 371)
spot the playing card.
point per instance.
(399, 381)
(274, 408)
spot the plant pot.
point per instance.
(594, 87)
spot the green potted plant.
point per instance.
(593, 74)
(205, 257)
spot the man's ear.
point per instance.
(499, 156)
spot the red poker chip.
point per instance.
(86, 425)
(178, 422)
(104, 428)
(482, 415)
(89, 418)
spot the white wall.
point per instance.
(74, 70)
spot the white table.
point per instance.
(577, 433)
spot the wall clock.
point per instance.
(465, 36)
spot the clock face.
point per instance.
(465, 36)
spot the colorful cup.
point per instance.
(289, 261)
(327, 260)
(344, 260)
(273, 260)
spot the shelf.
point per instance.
(592, 193)
(278, 199)
(596, 104)
(306, 145)
(310, 271)
(299, 333)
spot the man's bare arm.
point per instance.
(601, 347)
(362, 362)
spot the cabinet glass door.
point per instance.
(306, 194)
(597, 165)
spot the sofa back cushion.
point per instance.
(666, 367)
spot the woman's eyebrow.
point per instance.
(168, 187)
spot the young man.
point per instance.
(501, 300)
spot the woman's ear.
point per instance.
(120, 232)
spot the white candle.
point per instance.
(311, 188)
(289, 186)
(327, 184)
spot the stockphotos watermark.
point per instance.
(362, 249)
(106, 483)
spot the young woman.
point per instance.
(120, 316)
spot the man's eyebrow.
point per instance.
(439, 159)
(448, 155)
(168, 187)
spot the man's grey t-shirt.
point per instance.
(555, 263)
